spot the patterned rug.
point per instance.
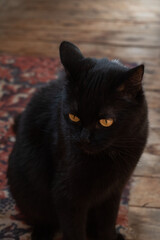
(19, 79)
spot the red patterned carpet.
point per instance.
(19, 79)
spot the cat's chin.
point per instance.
(90, 150)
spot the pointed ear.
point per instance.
(133, 83)
(135, 76)
(70, 56)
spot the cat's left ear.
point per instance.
(70, 56)
(136, 76)
(133, 84)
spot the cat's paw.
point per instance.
(120, 237)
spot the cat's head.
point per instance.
(103, 100)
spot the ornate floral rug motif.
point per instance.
(19, 79)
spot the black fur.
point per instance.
(69, 176)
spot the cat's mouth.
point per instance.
(91, 149)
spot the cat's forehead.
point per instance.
(94, 93)
(102, 76)
(106, 66)
(93, 110)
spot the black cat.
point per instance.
(78, 142)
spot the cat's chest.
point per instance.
(89, 178)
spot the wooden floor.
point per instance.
(128, 30)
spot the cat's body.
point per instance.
(68, 175)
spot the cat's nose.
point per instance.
(85, 135)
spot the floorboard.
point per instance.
(141, 226)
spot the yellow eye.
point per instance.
(73, 118)
(106, 122)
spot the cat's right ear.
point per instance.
(70, 56)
